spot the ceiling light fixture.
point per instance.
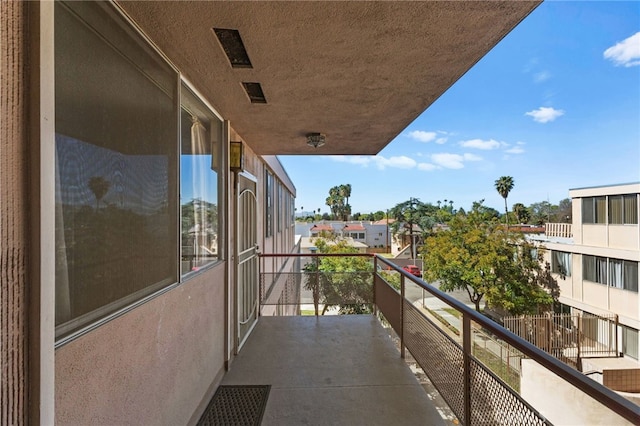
(316, 139)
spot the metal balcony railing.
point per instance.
(448, 352)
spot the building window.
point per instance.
(560, 263)
(594, 210)
(269, 203)
(201, 138)
(630, 276)
(116, 126)
(622, 274)
(280, 217)
(629, 341)
(594, 269)
(630, 210)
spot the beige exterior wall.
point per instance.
(14, 278)
(565, 404)
(153, 365)
(160, 362)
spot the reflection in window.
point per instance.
(199, 162)
(116, 166)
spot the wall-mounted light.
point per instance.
(236, 156)
(316, 139)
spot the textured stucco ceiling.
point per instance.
(360, 72)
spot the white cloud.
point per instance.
(423, 136)
(427, 167)
(541, 76)
(449, 161)
(471, 157)
(400, 162)
(518, 149)
(626, 52)
(480, 144)
(545, 114)
(440, 137)
(352, 159)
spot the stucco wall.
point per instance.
(560, 402)
(13, 225)
(152, 366)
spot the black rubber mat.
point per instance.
(241, 405)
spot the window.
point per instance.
(116, 166)
(629, 341)
(595, 269)
(594, 210)
(269, 203)
(630, 211)
(201, 137)
(616, 273)
(623, 209)
(560, 263)
(615, 209)
(280, 207)
(630, 276)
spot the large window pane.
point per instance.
(615, 209)
(589, 268)
(615, 273)
(561, 263)
(201, 135)
(631, 276)
(588, 212)
(116, 166)
(601, 209)
(631, 209)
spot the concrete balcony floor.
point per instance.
(331, 370)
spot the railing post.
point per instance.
(466, 348)
(373, 284)
(402, 316)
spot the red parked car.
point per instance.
(413, 270)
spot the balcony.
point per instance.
(558, 230)
(341, 369)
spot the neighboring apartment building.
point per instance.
(595, 260)
(375, 235)
(138, 176)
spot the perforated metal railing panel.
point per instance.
(239, 405)
(440, 357)
(442, 360)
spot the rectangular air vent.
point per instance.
(233, 47)
(255, 93)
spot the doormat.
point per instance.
(241, 405)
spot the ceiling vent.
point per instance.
(233, 47)
(255, 93)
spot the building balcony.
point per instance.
(558, 230)
(364, 369)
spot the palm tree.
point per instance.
(99, 186)
(504, 185)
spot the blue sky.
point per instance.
(555, 105)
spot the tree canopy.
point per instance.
(343, 281)
(413, 218)
(490, 262)
(504, 185)
(338, 201)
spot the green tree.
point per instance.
(504, 185)
(565, 211)
(99, 186)
(543, 212)
(338, 201)
(413, 218)
(488, 262)
(521, 213)
(344, 281)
